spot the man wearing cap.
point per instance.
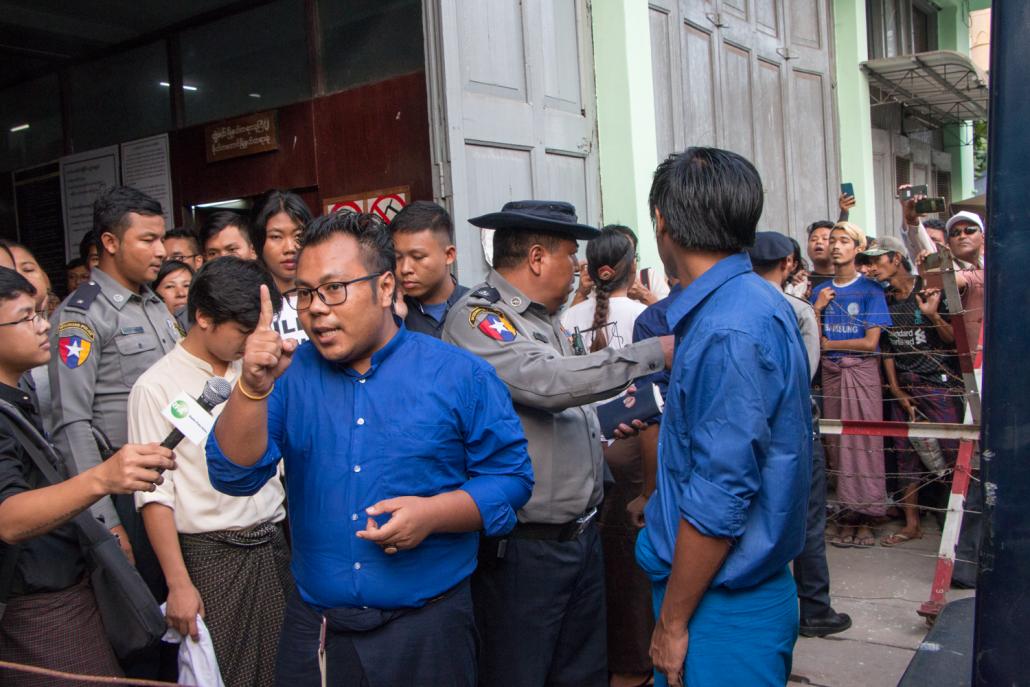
(539, 593)
(772, 257)
(919, 367)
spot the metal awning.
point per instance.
(940, 87)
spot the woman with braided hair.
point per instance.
(606, 318)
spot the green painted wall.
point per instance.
(853, 112)
(953, 34)
(625, 117)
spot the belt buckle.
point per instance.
(584, 521)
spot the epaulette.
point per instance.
(486, 293)
(82, 298)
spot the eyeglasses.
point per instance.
(330, 293)
(37, 315)
(967, 230)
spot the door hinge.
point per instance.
(715, 18)
(785, 53)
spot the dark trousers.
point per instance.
(432, 645)
(158, 662)
(811, 573)
(540, 611)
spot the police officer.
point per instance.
(539, 594)
(104, 336)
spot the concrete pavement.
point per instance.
(881, 589)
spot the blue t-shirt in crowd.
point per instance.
(857, 306)
(437, 311)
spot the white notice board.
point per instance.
(82, 177)
(146, 167)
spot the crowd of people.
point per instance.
(409, 483)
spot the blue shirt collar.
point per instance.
(694, 293)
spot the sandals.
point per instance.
(898, 538)
(864, 541)
(842, 538)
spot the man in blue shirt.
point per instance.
(398, 448)
(728, 514)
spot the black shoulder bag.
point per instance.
(131, 616)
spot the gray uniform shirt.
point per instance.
(809, 326)
(551, 389)
(102, 338)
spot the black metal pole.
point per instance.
(1003, 587)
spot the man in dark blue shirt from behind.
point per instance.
(728, 514)
(398, 449)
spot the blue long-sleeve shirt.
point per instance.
(734, 456)
(426, 418)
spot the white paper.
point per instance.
(146, 167)
(82, 177)
(188, 417)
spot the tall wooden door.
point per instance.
(755, 77)
(511, 87)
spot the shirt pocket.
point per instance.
(135, 354)
(421, 459)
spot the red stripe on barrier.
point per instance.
(874, 428)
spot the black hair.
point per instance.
(220, 220)
(75, 263)
(614, 249)
(229, 289)
(377, 253)
(935, 224)
(625, 231)
(511, 246)
(422, 215)
(799, 261)
(710, 199)
(112, 207)
(89, 240)
(183, 233)
(271, 204)
(819, 224)
(13, 284)
(167, 268)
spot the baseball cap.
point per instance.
(887, 244)
(964, 216)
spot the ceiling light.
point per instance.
(20, 127)
(164, 83)
(184, 86)
(220, 203)
(254, 95)
(188, 88)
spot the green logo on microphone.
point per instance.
(180, 409)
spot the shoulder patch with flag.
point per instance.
(74, 350)
(496, 326)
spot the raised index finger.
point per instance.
(265, 317)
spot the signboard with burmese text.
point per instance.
(249, 135)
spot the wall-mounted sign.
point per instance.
(256, 133)
(145, 166)
(82, 177)
(385, 202)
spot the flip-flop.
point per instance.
(896, 539)
(840, 542)
(865, 542)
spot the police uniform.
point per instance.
(539, 594)
(103, 337)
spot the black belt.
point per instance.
(561, 532)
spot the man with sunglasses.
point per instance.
(397, 448)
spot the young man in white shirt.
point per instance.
(224, 558)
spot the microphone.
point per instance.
(216, 390)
